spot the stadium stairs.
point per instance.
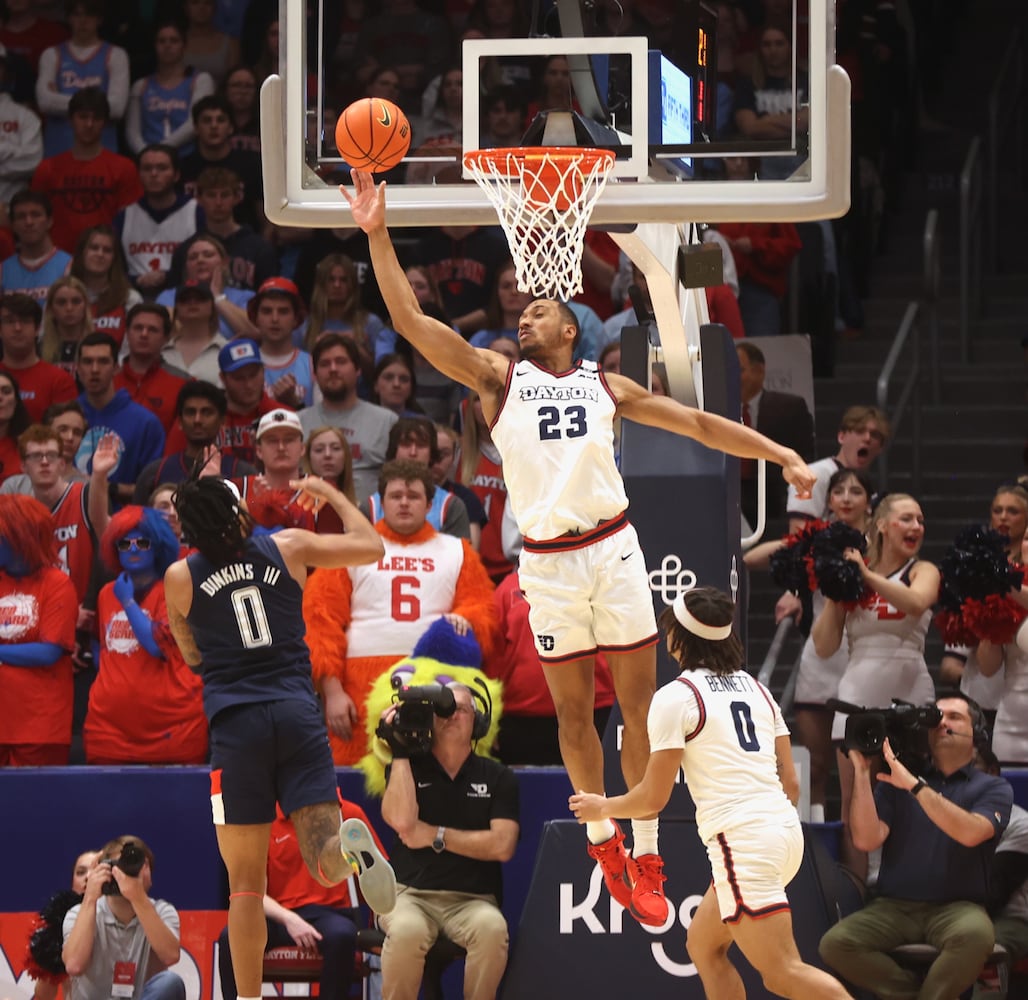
(973, 438)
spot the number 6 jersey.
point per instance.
(725, 725)
(555, 431)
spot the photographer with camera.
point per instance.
(118, 942)
(456, 818)
(938, 823)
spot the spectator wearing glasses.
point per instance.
(137, 652)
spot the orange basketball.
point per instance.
(373, 134)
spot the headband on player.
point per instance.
(694, 625)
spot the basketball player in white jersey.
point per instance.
(581, 566)
(723, 728)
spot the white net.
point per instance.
(544, 198)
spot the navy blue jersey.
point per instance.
(247, 620)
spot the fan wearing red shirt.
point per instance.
(149, 381)
(40, 384)
(300, 911)
(37, 634)
(242, 375)
(88, 184)
(145, 706)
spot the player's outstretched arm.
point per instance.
(645, 799)
(359, 545)
(636, 403)
(445, 348)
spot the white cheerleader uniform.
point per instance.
(818, 679)
(886, 657)
(1010, 732)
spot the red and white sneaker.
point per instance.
(646, 877)
(613, 859)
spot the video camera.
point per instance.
(131, 863)
(410, 732)
(906, 726)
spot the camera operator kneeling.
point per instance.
(456, 818)
(118, 942)
(938, 823)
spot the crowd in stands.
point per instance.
(150, 312)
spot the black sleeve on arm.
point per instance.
(1007, 873)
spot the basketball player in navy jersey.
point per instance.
(723, 728)
(235, 609)
(581, 566)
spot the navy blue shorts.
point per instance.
(267, 752)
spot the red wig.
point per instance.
(127, 519)
(149, 523)
(28, 528)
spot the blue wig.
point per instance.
(148, 522)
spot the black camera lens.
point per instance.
(132, 860)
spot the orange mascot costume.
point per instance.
(362, 619)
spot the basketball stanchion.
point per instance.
(544, 197)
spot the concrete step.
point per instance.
(856, 384)
(989, 342)
(978, 484)
(908, 283)
(998, 452)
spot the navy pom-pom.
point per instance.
(441, 642)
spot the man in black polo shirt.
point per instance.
(938, 832)
(456, 818)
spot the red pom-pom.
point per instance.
(953, 629)
(995, 619)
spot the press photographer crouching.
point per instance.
(938, 820)
(118, 942)
(455, 813)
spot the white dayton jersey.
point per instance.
(555, 432)
(397, 598)
(726, 726)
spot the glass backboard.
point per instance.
(650, 73)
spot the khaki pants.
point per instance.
(858, 947)
(476, 923)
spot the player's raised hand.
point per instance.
(314, 491)
(798, 475)
(587, 806)
(211, 462)
(367, 203)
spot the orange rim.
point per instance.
(498, 159)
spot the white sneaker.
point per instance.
(374, 874)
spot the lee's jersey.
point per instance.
(396, 599)
(725, 725)
(555, 431)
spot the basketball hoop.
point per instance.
(544, 197)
